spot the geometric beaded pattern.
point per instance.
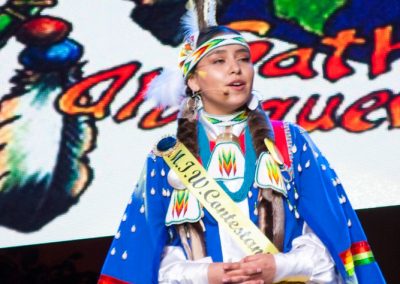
(189, 56)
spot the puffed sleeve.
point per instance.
(308, 260)
(175, 268)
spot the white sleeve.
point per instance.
(176, 269)
(308, 261)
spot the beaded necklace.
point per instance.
(250, 163)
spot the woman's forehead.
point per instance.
(231, 48)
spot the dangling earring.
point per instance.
(197, 100)
(190, 105)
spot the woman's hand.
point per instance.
(215, 273)
(219, 273)
(255, 269)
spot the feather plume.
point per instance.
(206, 13)
(189, 23)
(210, 13)
(168, 88)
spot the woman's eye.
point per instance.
(218, 61)
(245, 59)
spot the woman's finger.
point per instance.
(253, 282)
(231, 266)
(236, 279)
(253, 257)
(252, 271)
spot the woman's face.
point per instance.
(225, 79)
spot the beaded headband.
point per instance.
(189, 56)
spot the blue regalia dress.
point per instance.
(313, 195)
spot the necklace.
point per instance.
(226, 120)
(250, 163)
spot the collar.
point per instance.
(217, 124)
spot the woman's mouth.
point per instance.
(237, 85)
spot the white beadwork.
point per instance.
(349, 223)
(304, 147)
(174, 181)
(307, 164)
(113, 251)
(162, 172)
(124, 217)
(118, 235)
(142, 209)
(323, 167)
(125, 255)
(299, 168)
(133, 229)
(294, 149)
(153, 173)
(296, 214)
(250, 194)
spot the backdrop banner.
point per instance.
(75, 128)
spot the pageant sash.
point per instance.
(213, 198)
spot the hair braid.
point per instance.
(187, 134)
(259, 130)
(187, 125)
(270, 208)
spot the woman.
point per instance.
(167, 236)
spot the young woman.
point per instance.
(167, 236)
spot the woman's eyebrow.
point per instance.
(241, 50)
(223, 51)
(220, 51)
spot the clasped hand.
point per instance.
(255, 269)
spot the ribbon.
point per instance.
(214, 199)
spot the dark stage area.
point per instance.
(80, 261)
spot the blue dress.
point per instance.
(314, 195)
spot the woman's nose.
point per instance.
(234, 67)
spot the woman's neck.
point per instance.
(222, 111)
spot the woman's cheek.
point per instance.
(202, 74)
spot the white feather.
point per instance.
(189, 23)
(168, 88)
(210, 12)
(35, 137)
